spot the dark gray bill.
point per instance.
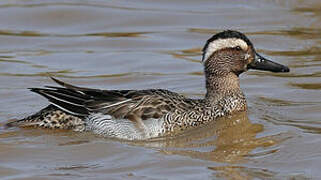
(261, 63)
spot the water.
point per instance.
(144, 44)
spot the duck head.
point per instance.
(231, 51)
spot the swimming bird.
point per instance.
(144, 114)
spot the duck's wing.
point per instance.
(129, 104)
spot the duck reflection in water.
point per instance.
(229, 139)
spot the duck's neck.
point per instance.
(221, 86)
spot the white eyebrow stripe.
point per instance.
(221, 44)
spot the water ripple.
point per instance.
(98, 34)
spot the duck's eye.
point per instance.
(238, 48)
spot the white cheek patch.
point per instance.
(222, 44)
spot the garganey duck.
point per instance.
(143, 114)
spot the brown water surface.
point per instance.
(156, 44)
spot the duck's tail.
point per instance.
(52, 118)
